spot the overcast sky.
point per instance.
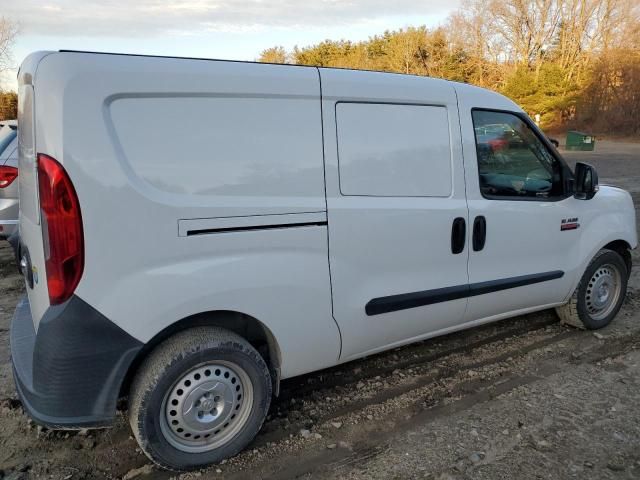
(233, 29)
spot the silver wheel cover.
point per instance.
(207, 407)
(603, 291)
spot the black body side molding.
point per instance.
(252, 228)
(404, 301)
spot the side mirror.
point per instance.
(586, 181)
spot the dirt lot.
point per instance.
(522, 398)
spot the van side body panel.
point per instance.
(168, 141)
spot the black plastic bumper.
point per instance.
(69, 374)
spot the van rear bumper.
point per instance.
(69, 373)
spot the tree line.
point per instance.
(576, 63)
(8, 105)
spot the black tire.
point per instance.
(576, 312)
(170, 362)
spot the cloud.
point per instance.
(131, 18)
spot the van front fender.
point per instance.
(607, 218)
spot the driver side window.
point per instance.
(512, 161)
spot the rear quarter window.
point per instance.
(394, 150)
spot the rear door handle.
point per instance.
(458, 235)
(479, 233)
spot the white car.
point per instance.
(8, 176)
(294, 219)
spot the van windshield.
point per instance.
(7, 134)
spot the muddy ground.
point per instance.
(522, 398)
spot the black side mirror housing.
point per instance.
(586, 181)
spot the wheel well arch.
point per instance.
(622, 248)
(248, 327)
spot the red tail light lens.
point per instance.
(61, 229)
(7, 175)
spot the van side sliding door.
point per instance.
(397, 211)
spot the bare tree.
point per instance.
(8, 32)
(527, 27)
(471, 30)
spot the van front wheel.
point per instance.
(600, 293)
(198, 398)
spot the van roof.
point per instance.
(257, 63)
(467, 88)
(479, 94)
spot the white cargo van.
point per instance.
(293, 218)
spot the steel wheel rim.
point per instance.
(603, 291)
(206, 407)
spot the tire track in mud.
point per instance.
(374, 439)
(510, 340)
(274, 433)
(335, 377)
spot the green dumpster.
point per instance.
(580, 141)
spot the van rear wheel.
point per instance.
(600, 293)
(198, 398)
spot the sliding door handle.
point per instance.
(458, 235)
(479, 233)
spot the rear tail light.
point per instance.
(7, 175)
(61, 230)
